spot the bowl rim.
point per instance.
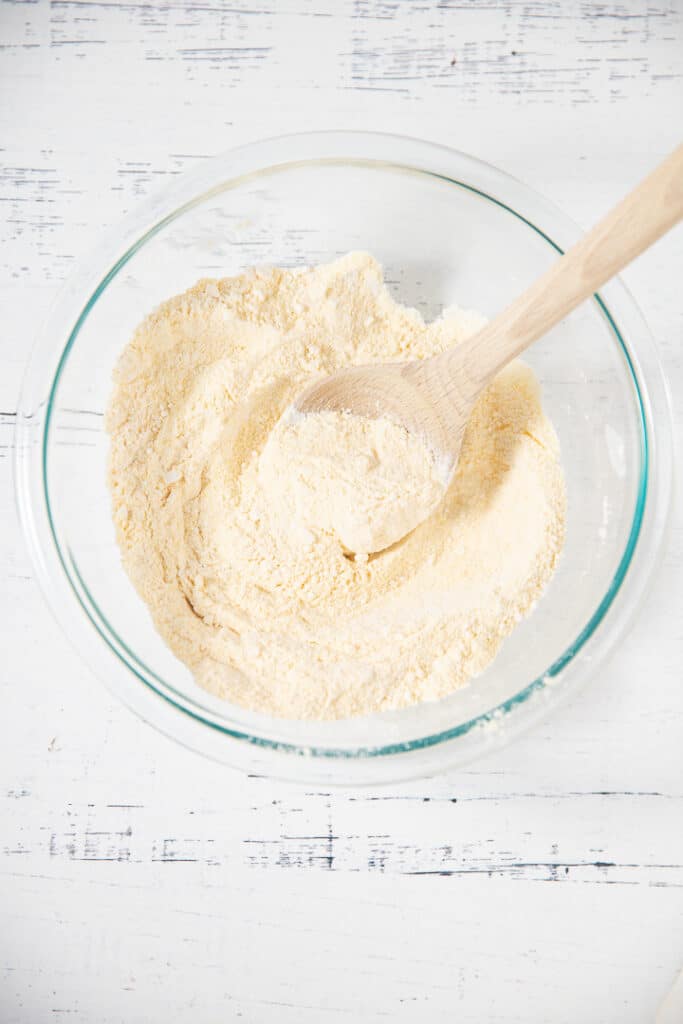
(68, 597)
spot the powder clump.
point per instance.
(367, 482)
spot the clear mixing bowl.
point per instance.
(448, 229)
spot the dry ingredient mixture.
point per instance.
(366, 481)
(239, 520)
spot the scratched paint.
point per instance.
(411, 834)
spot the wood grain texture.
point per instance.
(138, 882)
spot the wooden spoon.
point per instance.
(434, 397)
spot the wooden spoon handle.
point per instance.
(652, 209)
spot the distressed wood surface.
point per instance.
(140, 883)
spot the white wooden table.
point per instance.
(139, 883)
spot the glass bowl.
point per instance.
(448, 229)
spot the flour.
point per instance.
(368, 482)
(250, 585)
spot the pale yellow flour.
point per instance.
(368, 482)
(245, 565)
